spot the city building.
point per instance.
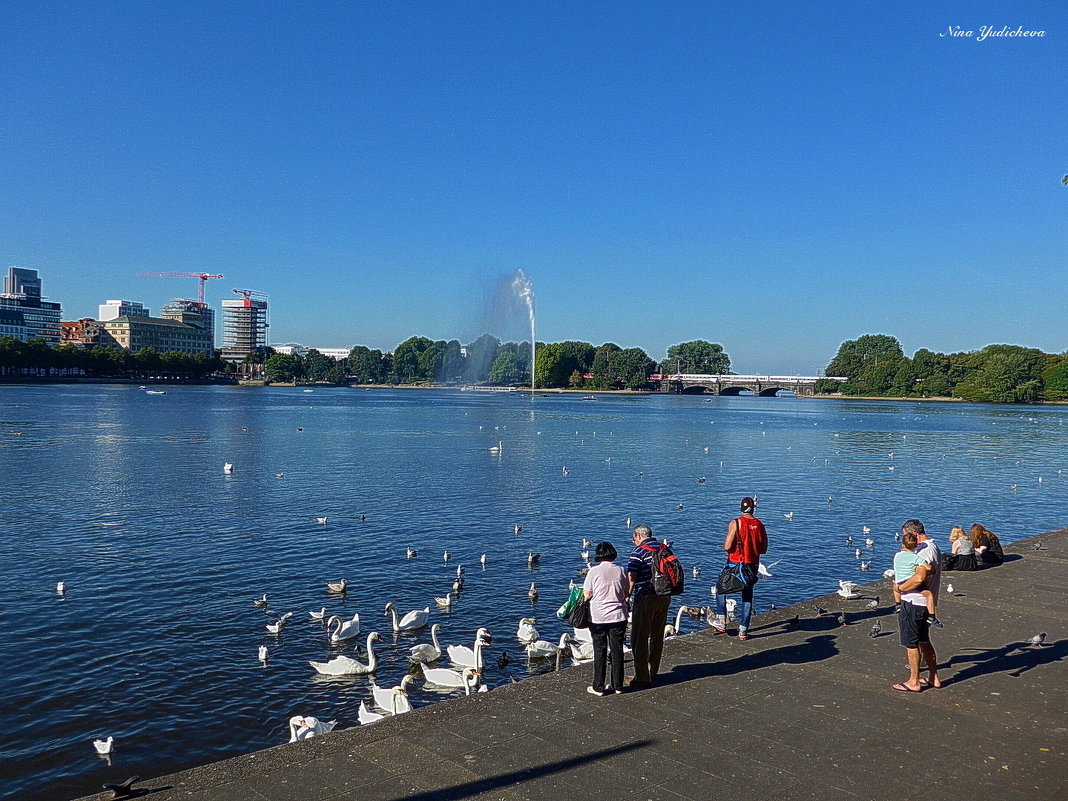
(295, 349)
(245, 325)
(122, 308)
(191, 312)
(24, 314)
(162, 334)
(81, 332)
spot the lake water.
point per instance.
(122, 495)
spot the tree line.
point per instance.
(487, 360)
(36, 357)
(875, 365)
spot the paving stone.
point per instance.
(790, 715)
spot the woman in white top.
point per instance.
(606, 590)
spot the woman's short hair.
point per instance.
(606, 552)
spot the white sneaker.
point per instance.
(720, 625)
(592, 691)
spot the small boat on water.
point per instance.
(469, 388)
(309, 390)
(155, 392)
(589, 397)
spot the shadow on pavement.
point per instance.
(1015, 659)
(813, 649)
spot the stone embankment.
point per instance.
(800, 711)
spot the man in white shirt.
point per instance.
(913, 623)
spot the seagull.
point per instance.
(696, 571)
(849, 541)
(228, 468)
(586, 543)
(277, 626)
(869, 543)
(789, 515)
(820, 611)
(459, 571)
(793, 622)
(338, 586)
(446, 556)
(516, 529)
(889, 574)
(104, 746)
(865, 565)
(411, 553)
(876, 629)
(873, 603)
(865, 529)
(856, 553)
(532, 593)
(846, 590)
(949, 588)
(279, 475)
(458, 585)
(1037, 640)
(764, 570)
(533, 558)
(680, 507)
(446, 602)
(584, 555)
(701, 480)
(322, 521)
(1038, 546)
(61, 588)
(565, 470)
(260, 602)
(842, 619)
(263, 655)
(897, 536)
(482, 559)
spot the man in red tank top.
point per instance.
(746, 540)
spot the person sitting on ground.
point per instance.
(905, 563)
(963, 553)
(987, 545)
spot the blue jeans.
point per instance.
(747, 604)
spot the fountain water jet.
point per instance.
(523, 288)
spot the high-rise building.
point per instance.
(244, 325)
(122, 308)
(23, 314)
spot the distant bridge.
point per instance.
(718, 384)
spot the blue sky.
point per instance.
(775, 177)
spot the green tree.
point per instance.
(407, 367)
(1055, 379)
(317, 365)
(507, 367)
(1007, 374)
(452, 363)
(368, 366)
(552, 366)
(697, 356)
(855, 355)
(282, 367)
(601, 368)
(632, 367)
(432, 360)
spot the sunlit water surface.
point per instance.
(122, 495)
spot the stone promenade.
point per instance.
(803, 712)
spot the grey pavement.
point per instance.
(793, 713)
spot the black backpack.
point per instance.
(668, 575)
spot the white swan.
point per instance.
(320, 615)
(278, 625)
(446, 602)
(337, 586)
(104, 747)
(260, 602)
(541, 649)
(498, 448)
(526, 632)
(443, 677)
(672, 630)
(347, 666)
(303, 727)
(366, 716)
(394, 700)
(425, 652)
(346, 629)
(581, 651)
(415, 619)
(470, 657)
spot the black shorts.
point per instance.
(913, 626)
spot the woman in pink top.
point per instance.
(606, 590)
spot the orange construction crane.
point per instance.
(202, 276)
